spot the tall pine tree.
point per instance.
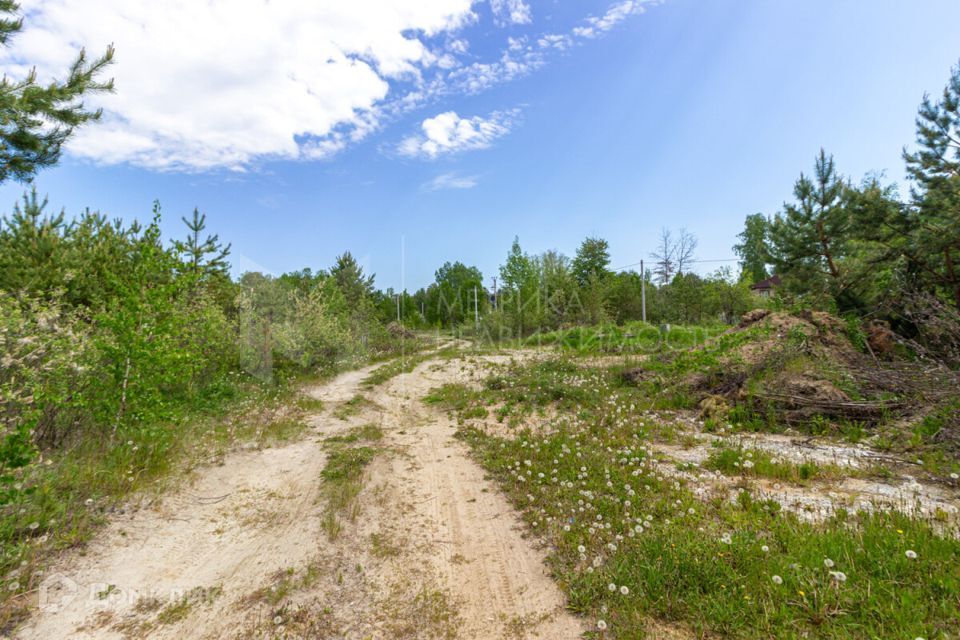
(934, 219)
(808, 239)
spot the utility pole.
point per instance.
(494, 293)
(476, 308)
(398, 309)
(643, 292)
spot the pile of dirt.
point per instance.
(397, 330)
(800, 366)
(795, 361)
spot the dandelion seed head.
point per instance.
(777, 580)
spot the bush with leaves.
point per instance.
(46, 355)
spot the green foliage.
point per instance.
(39, 118)
(808, 240)
(934, 246)
(754, 249)
(633, 337)
(592, 262)
(204, 258)
(450, 300)
(861, 248)
(353, 284)
(116, 347)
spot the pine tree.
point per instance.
(203, 258)
(808, 239)
(349, 277)
(31, 246)
(35, 119)
(935, 170)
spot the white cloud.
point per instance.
(221, 83)
(205, 84)
(555, 41)
(450, 181)
(513, 63)
(448, 133)
(511, 12)
(614, 15)
(523, 55)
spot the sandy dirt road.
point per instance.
(431, 550)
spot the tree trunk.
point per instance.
(825, 248)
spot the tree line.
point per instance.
(550, 291)
(863, 247)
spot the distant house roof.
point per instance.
(766, 285)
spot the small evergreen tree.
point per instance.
(204, 258)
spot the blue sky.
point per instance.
(685, 113)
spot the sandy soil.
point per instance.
(432, 550)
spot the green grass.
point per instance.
(464, 402)
(519, 390)
(365, 432)
(182, 607)
(352, 407)
(701, 564)
(761, 464)
(634, 337)
(404, 364)
(342, 483)
(286, 582)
